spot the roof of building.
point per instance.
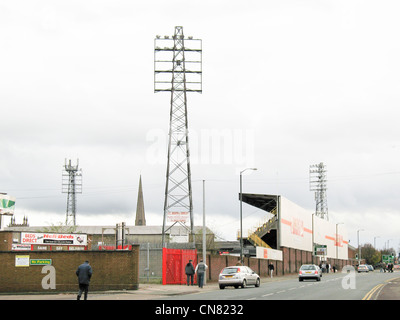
(133, 230)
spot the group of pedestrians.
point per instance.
(388, 267)
(326, 267)
(200, 270)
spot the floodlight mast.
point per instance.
(179, 52)
(71, 184)
(318, 184)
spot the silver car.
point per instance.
(310, 271)
(362, 268)
(238, 276)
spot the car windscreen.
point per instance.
(307, 268)
(229, 270)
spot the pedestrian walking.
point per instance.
(201, 270)
(84, 273)
(189, 270)
(271, 269)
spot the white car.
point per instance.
(362, 268)
(310, 271)
(238, 276)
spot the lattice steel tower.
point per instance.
(318, 184)
(178, 69)
(71, 184)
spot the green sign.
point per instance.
(320, 249)
(387, 258)
(40, 262)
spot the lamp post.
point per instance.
(241, 219)
(204, 227)
(337, 240)
(375, 241)
(358, 243)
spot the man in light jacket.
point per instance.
(201, 270)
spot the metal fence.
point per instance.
(151, 260)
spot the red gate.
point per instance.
(174, 262)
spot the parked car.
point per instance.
(310, 271)
(370, 268)
(238, 276)
(362, 268)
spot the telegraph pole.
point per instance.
(178, 70)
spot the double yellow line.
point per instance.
(372, 291)
(379, 287)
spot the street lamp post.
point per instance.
(337, 240)
(375, 241)
(204, 227)
(358, 243)
(241, 218)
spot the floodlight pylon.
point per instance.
(178, 69)
(71, 184)
(318, 184)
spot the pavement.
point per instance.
(389, 290)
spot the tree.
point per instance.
(60, 228)
(370, 255)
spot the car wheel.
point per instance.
(318, 279)
(221, 286)
(300, 279)
(244, 284)
(258, 282)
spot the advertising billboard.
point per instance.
(333, 236)
(54, 239)
(178, 217)
(295, 226)
(301, 229)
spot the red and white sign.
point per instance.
(267, 253)
(54, 239)
(178, 216)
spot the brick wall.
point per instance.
(112, 270)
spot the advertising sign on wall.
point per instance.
(295, 226)
(54, 239)
(178, 216)
(300, 228)
(267, 253)
(22, 261)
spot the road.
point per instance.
(338, 286)
(333, 286)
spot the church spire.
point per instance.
(140, 217)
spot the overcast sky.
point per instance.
(286, 84)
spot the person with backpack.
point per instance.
(201, 270)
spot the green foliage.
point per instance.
(60, 228)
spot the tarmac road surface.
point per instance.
(368, 286)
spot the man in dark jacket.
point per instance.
(84, 273)
(189, 270)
